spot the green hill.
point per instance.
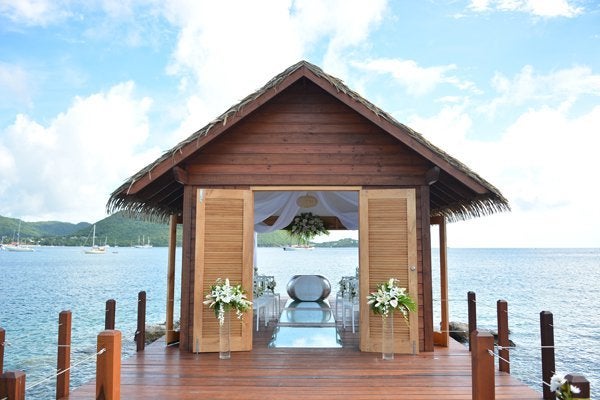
(274, 239)
(118, 230)
(114, 230)
(32, 232)
(347, 242)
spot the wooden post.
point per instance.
(12, 385)
(140, 334)
(582, 384)
(108, 366)
(63, 360)
(2, 346)
(442, 338)
(445, 322)
(482, 366)
(170, 333)
(548, 361)
(472, 307)
(503, 341)
(109, 318)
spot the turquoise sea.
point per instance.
(35, 287)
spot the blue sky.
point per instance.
(92, 91)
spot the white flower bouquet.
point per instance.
(226, 297)
(564, 390)
(306, 226)
(389, 297)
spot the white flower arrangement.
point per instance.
(389, 297)
(349, 287)
(306, 226)
(564, 390)
(225, 297)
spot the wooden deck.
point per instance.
(265, 373)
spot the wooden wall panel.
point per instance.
(305, 136)
(388, 249)
(223, 249)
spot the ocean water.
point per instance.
(565, 282)
(35, 287)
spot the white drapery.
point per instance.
(341, 204)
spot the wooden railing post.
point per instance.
(548, 361)
(2, 346)
(482, 366)
(503, 340)
(109, 319)
(108, 365)
(472, 307)
(12, 385)
(140, 334)
(63, 360)
(582, 384)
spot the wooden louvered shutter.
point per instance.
(224, 249)
(388, 249)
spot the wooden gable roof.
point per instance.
(457, 192)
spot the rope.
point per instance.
(63, 371)
(505, 347)
(545, 383)
(498, 355)
(536, 321)
(32, 335)
(461, 300)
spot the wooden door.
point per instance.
(224, 249)
(388, 249)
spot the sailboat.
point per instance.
(95, 249)
(143, 245)
(17, 246)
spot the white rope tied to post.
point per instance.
(498, 355)
(545, 383)
(505, 347)
(64, 370)
(15, 340)
(459, 300)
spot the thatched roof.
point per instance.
(483, 201)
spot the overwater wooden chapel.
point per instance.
(305, 132)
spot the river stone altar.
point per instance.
(308, 288)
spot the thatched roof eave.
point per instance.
(486, 200)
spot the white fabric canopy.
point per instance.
(341, 204)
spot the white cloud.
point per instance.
(67, 169)
(227, 49)
(539, 8)
(447, 130)
(560, 86)
(541, 159)
(347, 24)
(35, 12)
(417, 80)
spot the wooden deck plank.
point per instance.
(162, 372)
